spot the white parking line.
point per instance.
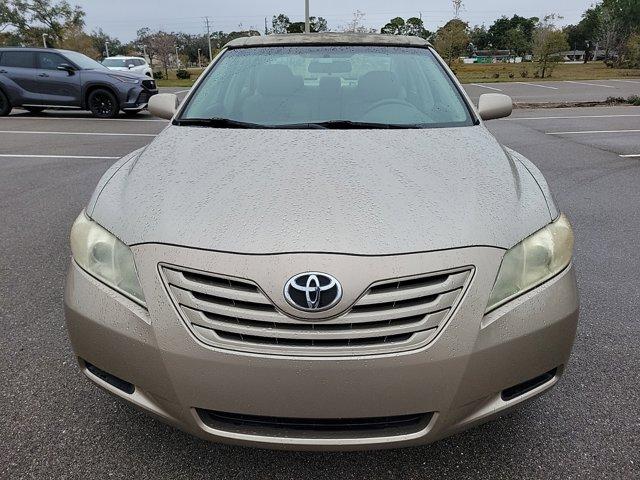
(181, 91)
(484, 86)
(80, 157)
(624, 81)
(590, 84)
(572, 117)
(592, 131)
(80, 119)
(98, 134)
(536, 85)
(631, 156)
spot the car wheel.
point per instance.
(5, 105)
(103, 104)
(34, 109)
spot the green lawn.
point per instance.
(488, 73)
(514, 72)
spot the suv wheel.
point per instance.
(34, 109)
(103, 104)
(5, 105)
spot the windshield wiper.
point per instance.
(348, 124)
(217, 122)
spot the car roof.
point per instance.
(124, 56)
(34, 49)
(327, 39)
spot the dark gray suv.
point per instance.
(38, 78)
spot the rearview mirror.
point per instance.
(494, 105)
(163, 105)
(130, 66)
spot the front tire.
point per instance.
(5, 105)
(103, 104)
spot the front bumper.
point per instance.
(137, 98)
(458, 378)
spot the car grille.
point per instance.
(392, 315)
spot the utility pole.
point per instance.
(106, 48)
(206, 19)
(307, 23)
(199, 62)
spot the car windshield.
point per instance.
(332, 87)
(116, 62)
(82, 61)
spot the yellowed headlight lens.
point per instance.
(533, 261)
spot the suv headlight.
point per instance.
(533, 261)
(105, 257)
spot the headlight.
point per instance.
(533, 261)
(125, 79)
(105, 257)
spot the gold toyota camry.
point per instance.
(325, 249)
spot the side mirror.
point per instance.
(163, 105)
(494, 105)
(65, 67)
(130, 66)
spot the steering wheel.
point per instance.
(393, 101)
(389, 101)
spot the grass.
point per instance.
(488, 73)
(172, 81)
(513, 72)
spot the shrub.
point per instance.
(158, 75)
(183, 74)
(634, 100)
(496, 75)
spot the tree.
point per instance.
(480, 38)
(99, 40)
(11, 15)
(633, 51)
(281, 24)
(356, 24)
(452, 39)
(548, 42)
(53, 18)
(77, 40)
(162, 45)
(414, 27)
(515, 33)
(620, 20)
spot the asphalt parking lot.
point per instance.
(55, 424)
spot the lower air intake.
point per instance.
(317, 427)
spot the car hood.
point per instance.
(343, 191)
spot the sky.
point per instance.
(121, 18)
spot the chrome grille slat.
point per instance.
(328, 350)
(426, 323)
(453, 282)
(186, 298)
(178, 279)
(441, 302)
(390, 316)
